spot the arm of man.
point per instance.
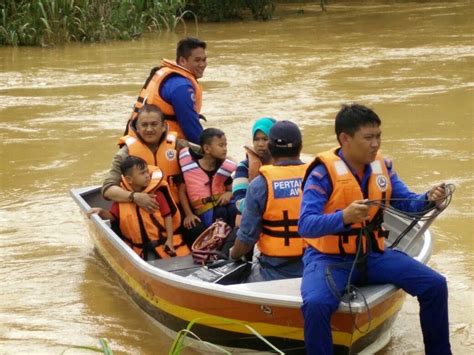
(313, 221)
(410, 201)
(113, 177)
(251, 223)
(180, 93)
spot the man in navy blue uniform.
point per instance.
(273, 199)
(174, 88)
(333, 213)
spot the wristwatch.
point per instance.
(131, 197)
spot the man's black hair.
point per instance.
(351, 118)
(130, 162)
(148, 108)
(186, 45)
(207, 135)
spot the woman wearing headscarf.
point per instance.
(256, 156)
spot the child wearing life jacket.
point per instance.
(151, 235)
(206, 192)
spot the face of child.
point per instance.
(217, 148)
(139, 178)
(150, 127)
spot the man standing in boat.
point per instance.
(345, 237)
(174, 88)
(270, 217)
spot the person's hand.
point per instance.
(191, 221)
(146, 201)
(224, 199)
(356, 212)
(240, 258)
(92, 211)
(437, 194)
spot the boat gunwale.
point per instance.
(374, 294)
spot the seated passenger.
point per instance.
(256, 156)
(206, 194)
(151, 235)
(153, 143)
(272, 206)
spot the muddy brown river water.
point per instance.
(62, 110)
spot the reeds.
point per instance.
(51, 22)
(179, 343)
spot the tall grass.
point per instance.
(50, 22)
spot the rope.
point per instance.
(424, 215)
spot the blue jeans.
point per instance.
(393, 267)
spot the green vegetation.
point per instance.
(221, 10)
(51, 22)
(179, 342)
(104, 348)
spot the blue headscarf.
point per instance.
(263, 124)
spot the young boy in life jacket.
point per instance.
(151, 235)
(206, 192)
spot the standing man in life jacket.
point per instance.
(174, 88)
(270, 217)
(339, 227)
(152, 142)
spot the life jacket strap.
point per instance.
(280, 234)
(286, 223)
(203, 205)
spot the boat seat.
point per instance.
(179, 265)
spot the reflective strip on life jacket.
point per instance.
(202, 191)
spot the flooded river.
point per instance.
(62, 110)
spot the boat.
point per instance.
(228, 313)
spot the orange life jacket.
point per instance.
(255, 162)
(202, 191)
(166, 158)
(346, 189)
(143, 231)
(279, 237)
(151, 91)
